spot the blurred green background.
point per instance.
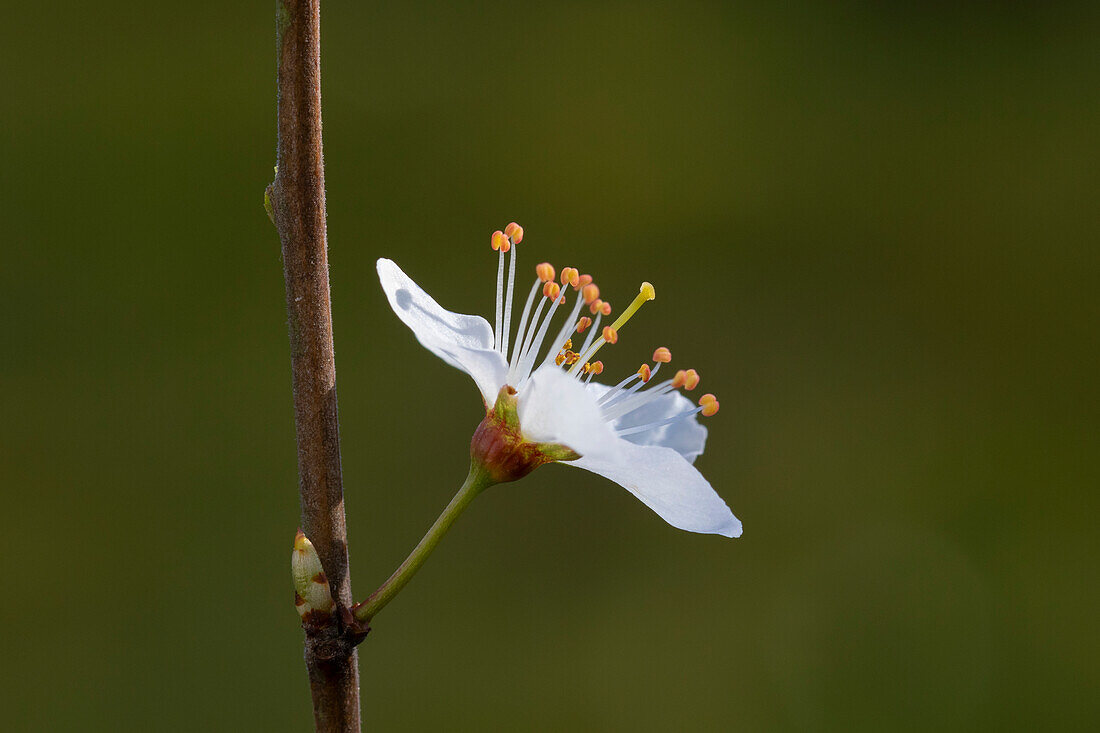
(872, 228)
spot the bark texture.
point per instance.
(296, 203)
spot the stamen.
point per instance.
(511, 287)
(628, 401)
(545, 271)
(497, 242)
(617, 395)
(708, 405)
(691, 379)
(563, 332)
(610, 335)
(583, 323)
(593, 368)
(591, 334)
(591, 293)
(514, 232)
(644, 372)
(662, 355)
(667, 421)
(570, 276)
(582, 282)
(553, 291)
(523, 326)
(514, 369)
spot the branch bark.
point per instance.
(296, 203)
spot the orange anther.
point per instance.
(514, 232)
(644, 372)
(551, 290)
(591, 293)
(497, 241)
(610, 335)
(691, 379)
(596, 367)
(708, 397)
(595, 307)
(545, 271)
(662, 355)
(709, 403)
(583, 323)
(569, 276)
(583, 281)
(679, 379)
(605, 308)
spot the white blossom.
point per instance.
(642, 434)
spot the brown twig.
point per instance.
(296, 203)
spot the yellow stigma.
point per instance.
(645, 292)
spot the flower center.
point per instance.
(631, 394)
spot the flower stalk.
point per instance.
(476, 481)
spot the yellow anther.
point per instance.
(551, 290)
(498, 240)
(560, 358)
(709, 403)
(691, 379)
(591, 293)
(570, 276)
(610, 335)
(514, 232)
(545, 271)
(583, 281)
(644, 372)
(568, 344)
(648, 291)
(662, 355)
(583, 323)
(571, 357)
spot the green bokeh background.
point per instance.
(872, 228)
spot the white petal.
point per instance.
(667, 484)
(464, 342)
(556, 408)
(687, 437)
